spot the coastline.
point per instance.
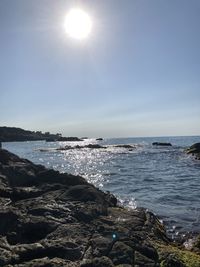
(157, 178)
(62, 220)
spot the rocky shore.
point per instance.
(52, 219)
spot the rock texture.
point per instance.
(52, 219)
(194, 150)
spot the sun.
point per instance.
(78, 24)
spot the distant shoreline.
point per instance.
(13, 134)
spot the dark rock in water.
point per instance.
(93, 146)
(196, 147)
(53, 219)
(99, 139)
(194, 150)
(161, 144)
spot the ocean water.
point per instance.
(164, 180)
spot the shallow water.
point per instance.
(164, 180)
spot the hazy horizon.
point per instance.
(104, 137)
(136, 75)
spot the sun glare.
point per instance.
(78, 24)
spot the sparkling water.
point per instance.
(164, 180)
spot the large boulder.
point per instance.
(161, 144)
(194, 150)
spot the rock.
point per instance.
(194, 150)
(195, 244)
(99, 139)
(53, 219)
(141, 260)
(95, 146)
(69, 139)
(100, 246)
(121, 254)
(172, 261)
(85, 193)
(98, 262)
(161, 144)
(46, 262)
(92, 146)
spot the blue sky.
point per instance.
(137, 74)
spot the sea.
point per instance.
(162, 179)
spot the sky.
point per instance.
(137, 73)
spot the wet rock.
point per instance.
(91, 146)
(194, 150)
(161, 144)
(99, 139)
(69, 139)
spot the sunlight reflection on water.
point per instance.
(164, 180)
